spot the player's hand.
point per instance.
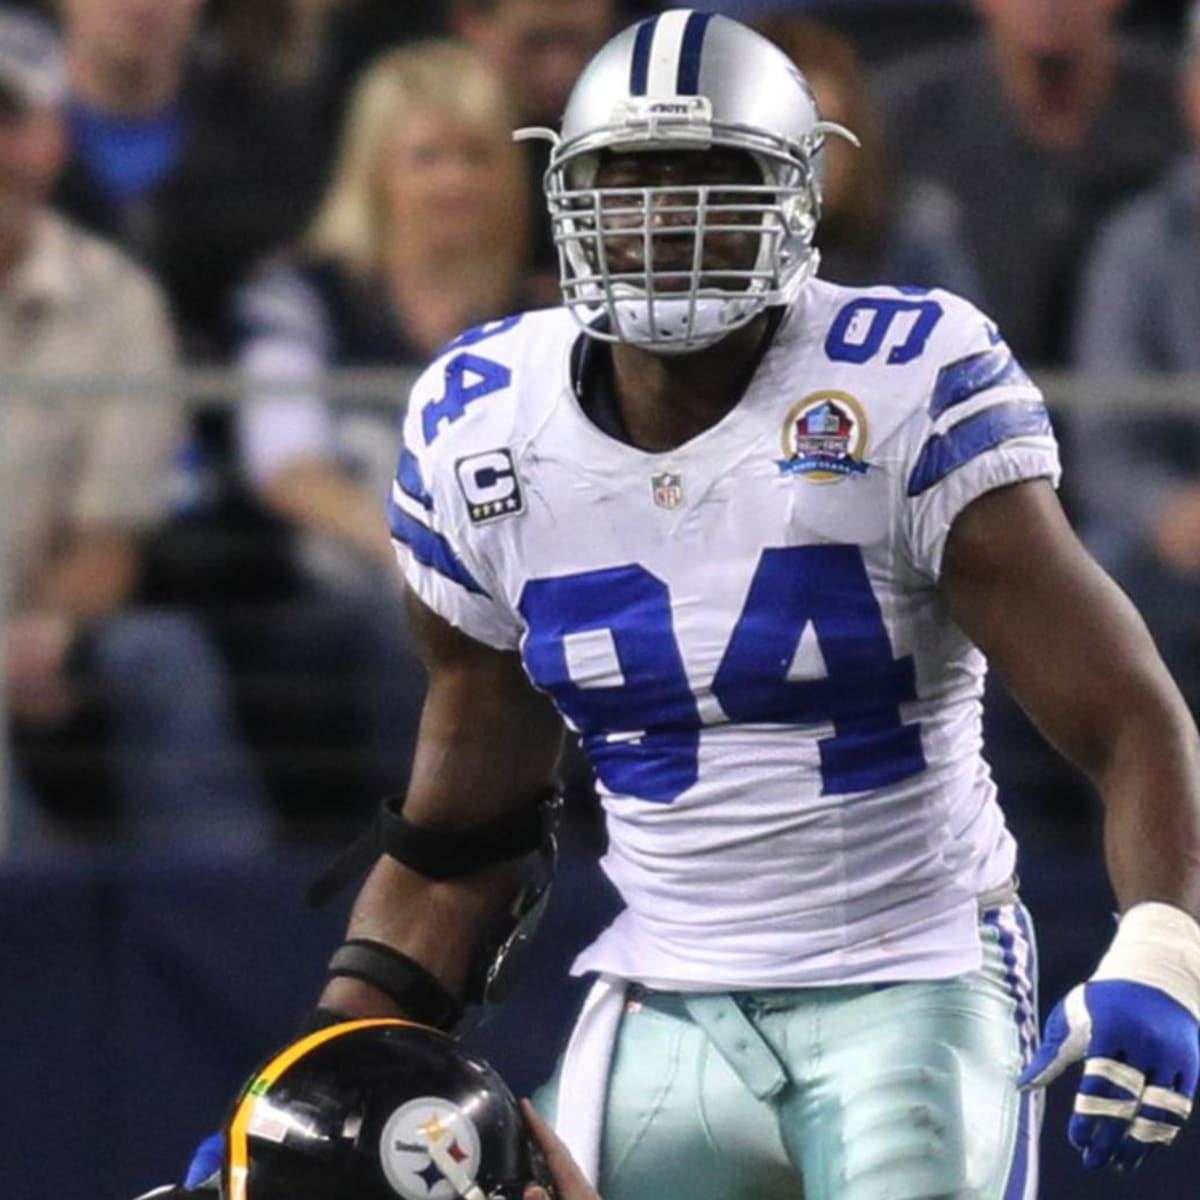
(569, 1182)
(1140, 1053)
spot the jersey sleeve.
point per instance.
(984, 425)
(440, 556)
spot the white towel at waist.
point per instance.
(583, 1080)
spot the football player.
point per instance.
(751, 537)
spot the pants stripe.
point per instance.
(1019, 951)
(1023, 1179)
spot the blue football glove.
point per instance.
(206, 1162)
(1134, 1026)
(1141, 1056)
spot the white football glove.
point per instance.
(1135, 1026)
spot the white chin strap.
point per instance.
(679, 324)
(682, 324)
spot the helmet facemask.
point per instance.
(652, 261)
(656, 260)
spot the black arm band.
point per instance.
(438, 854)
(449, 853)
(417, 992)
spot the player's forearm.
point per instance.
(1151, 793)
(439, 924)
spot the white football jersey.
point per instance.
(746, 631)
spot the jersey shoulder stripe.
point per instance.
(958, 381)
(470, 404)
(979, 400)
(974, 435)
(410, 481)
(429, 547)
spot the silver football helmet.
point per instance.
(643, 257)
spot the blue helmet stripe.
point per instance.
(687, 82)
(639, 72)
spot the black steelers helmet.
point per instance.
(377, 1110)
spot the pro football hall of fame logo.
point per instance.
(824, 437)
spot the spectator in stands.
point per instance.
(308, 52)
(1140, 308)
(96, 688)
(191, 165)
(1140, 469)
(360, 30)
(422, 234)
(871, 229)
(1037, 129)
(283, 41)
(538, 48)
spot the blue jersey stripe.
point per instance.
(687, 79)
(974, 435)
(408, 476)
(431, 549)
(967, 377)
(639, 72)
(959, 381)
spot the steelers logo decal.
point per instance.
(824, 437)
(424, 1141)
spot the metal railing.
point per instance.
(352, 386)
(386, 391)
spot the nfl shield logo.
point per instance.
(668, 489)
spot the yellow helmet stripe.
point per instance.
(239, 1126)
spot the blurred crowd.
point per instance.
(204, 641)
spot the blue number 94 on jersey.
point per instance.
(642, 735)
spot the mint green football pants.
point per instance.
(890, 1092)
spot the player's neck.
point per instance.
(666, 400)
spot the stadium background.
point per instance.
(139, 989)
